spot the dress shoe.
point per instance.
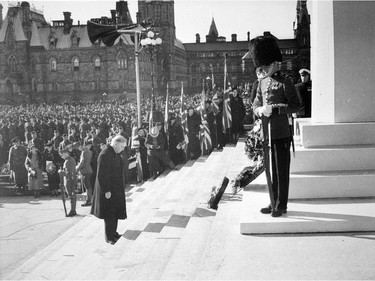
(112, 242)
(86, 204)
(266, 210)
(278, 212)
(72, 214)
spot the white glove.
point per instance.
(265, 110)
(108, 195)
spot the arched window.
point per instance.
(97, 62)
(12, 62)
(53, 64)
(122, 62)
(34, 86)
(33, 66)
(202, 67)
(193, 69)
(75, 62)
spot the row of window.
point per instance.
(122, 63)
(218, 54)
(213, 68)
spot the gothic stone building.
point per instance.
(54, 62)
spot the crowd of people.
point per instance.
(69, 137)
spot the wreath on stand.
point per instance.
(253, 150)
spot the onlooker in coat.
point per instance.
(34, 165)
(53, 163)
(238, 113)
(16, 160)
(304, 93)
(193, 122)
(109, 191)
(176, 136)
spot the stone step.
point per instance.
(91, 231)
(305, 216)
(190, 249)
(337, 158)
(315, 135)
(173, 215)
(97, 267)
(332, 184)
(139, 224)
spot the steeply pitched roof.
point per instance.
(19, 34)
(213, 30)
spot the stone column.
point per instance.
(343, 74)
(343, 61)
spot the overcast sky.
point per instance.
(193, 16)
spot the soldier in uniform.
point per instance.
(276, 97)
(16, 160)
(70, 179)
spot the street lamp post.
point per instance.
(136, 52)
(151, 45)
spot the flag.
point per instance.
(227, 115)
(204, 134)
(215, 104)
(183, 111)
(166, 114)
(225, 72)
(205, 138)
(203, 102)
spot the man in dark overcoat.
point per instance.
(193, 121)
(109, 192)
(16, 160)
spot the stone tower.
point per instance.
(162, 14)
(302, 33)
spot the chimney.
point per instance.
(26, 13)
(248, 36)
(68, 22)
(139, 17)
(197, 38)
(113, 16)
(234, 37)
(122, 11)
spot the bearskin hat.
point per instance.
(264, 51)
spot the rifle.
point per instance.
(62, 188)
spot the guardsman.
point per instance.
(70, 179)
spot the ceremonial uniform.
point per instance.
(70, 181)
(276, 97)
(84, 167)
(278, 89)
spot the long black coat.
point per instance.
(238, 113)
(110, 176)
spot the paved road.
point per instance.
(28, 224)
